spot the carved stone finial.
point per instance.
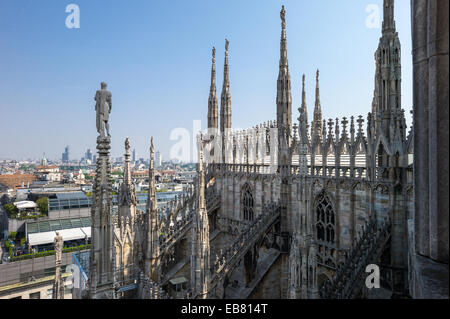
(214, 54)
(330, 127)
(344, 125)
(336, 130)
(227, 44)
(352, 127)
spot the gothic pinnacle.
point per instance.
(388, 16)
(317, 89)
(304, 107)
(284, 96)
(283, 46)
(317, 109)
(213, 70)
(225, 99)
(152, 223)
(226, 75)
(213, 116)
(151, 179)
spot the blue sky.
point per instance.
(156, 55)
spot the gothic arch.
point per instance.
(360, 146)
(248, 203)
(325, 219)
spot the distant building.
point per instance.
(134, 156)
(65, 155)
(158, 159)
(88, 155)
(44, 161)
(15, 181)
(48, 173)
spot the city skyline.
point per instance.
(165, 86)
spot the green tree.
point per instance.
(42, 204)
(11, 209)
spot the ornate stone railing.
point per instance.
(150, 289)
(349, 277)
(175, 230)
(241, 168)
(332, 171)
(247, 238)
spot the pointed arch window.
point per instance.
(325, 220)
(247, 203)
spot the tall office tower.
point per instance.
(158, 159)
(65, 155)
(88, 155)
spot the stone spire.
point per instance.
(284, 130)
(303, 142)
(388, 16)
(102, 268)
(225, 103)
(225, 99)
(386, 106)
(213, 109)
(152, 223)
(200, 257)
(304, 106)
(284, 96)
(127, 193)
(317, 123)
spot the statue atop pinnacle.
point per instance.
(283, 17)
(103, 107)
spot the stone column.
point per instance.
(430, 35)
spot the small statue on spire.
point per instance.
(227, 44)
(152, 147)
(103, 108)
(214, 54)
(283, 17)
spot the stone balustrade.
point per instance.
(366, 251)
(247, 237)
